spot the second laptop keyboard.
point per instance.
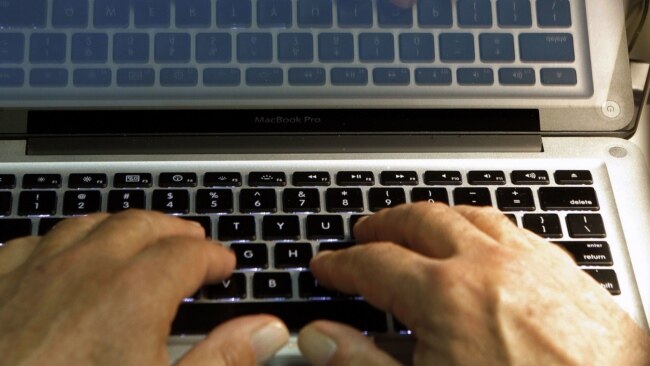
(90, 50)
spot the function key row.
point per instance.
(296, 76)
(295, 200)
(279, 179)
(280, 14)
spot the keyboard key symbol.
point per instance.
(132, 179)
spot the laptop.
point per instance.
(277, 124)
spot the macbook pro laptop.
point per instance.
(277, 124)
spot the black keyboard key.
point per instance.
(87, 180)
(353, 221)
(355, 178)
(392, 178)
(232, 228)
(47, 223)
(529, 177)
(585, 226)
(335, 245)
(544, 225)
(175, 180)
(344, 200)
(310, 288)
(269, 285)
(126, 199)
(430, 195)
(37, 203)
(301, 200)
(214, 201)
(205, 221)
(512, 218)
(223, 179)
(606, 278)
(472, 196)
(267, 179)
(280, 227)
(380, 198)
(5, 203)
(132, 180)
(588, 253)
(515, 199)
(323, 227)
(573, 177)
(486, 177)
(442, 178)
(31, 181)
(257, 200)
(171, 201)
(311, 179)
(201, 318)
(251, 256)
(7, 181)
(229, 289)
(568, 198)
(292, 255)
(81, 202)
(14, 228)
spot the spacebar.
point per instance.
(200, 318)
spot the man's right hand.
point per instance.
(475, 290)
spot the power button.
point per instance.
(611, 109)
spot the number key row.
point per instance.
(296, 200)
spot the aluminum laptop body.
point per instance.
(315, 112)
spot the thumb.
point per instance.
(326, 343)
(247, 340)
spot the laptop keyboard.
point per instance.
(275, 222)
(153, 50)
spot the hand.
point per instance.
(103, 290)
(476, 290)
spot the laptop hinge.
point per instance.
(285, 144)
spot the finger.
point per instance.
(327, 343)
(128, 232)
(404, 3)
(175, 267)
(15, 252)
(388, 276)
(432, 229)
(496, 225)
(68, 232)
(249, 340)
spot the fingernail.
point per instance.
(316, 346)
(267, 340)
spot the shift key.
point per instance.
(568, 198)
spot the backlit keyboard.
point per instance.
(276, 221)
(82, 51)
